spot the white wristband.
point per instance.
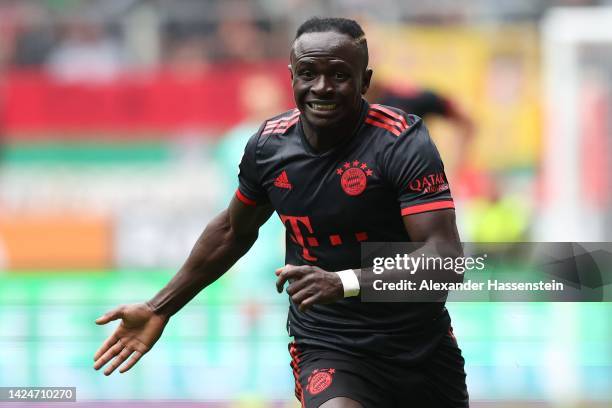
(350, 283)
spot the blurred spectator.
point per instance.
(238, 35)
(240, 40)
(86, 52)
(188, 56)
(187, 46)
(27, 33)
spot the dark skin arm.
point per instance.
(226, 238)
(312, 285)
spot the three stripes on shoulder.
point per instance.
(385, 118)
(281, 125)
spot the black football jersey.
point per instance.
(332, 201)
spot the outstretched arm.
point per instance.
(226, 238)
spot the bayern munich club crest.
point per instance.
(354, 177)
(319, 380)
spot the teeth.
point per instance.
(325, 107)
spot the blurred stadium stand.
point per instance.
(121, 127)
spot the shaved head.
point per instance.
(349, 28)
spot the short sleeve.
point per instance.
(414, 168)
(250, 190)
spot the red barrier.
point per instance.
(35, 104)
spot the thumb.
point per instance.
(110, 316)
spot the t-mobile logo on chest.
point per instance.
(301, 233)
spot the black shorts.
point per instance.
(438, 382)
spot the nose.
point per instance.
(322, 86)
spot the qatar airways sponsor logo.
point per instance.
(431, 183)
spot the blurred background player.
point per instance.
(427, 103)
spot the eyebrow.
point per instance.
(311, 60)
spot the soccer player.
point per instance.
(426, 104)
(338, 171)
(423, 103)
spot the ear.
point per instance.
(365, 82)
(290, 71)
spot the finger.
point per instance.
(110, 316)
(130, 363)
(302, 295)
(289, 272)
(110, 353)
(295, 286)
(279, 270)
(306, 304)
(292, 274)
(121, 357)
(108, 343)
(280, 281)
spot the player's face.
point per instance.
(329, 77)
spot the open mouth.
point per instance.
(321, 106)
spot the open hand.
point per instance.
(138, 331)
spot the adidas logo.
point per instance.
(282, 181)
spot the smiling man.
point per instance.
(338, 171)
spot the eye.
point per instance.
(341, 76)
(306, 74)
